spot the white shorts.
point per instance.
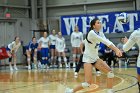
(89, 59)
(75, 45)
(60, 50)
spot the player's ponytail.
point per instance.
(15, 38)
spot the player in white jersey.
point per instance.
(52, 38)
(60, 48)
(134, 39)
(76, 39)
(44, 50)
(91, 58)
(12, 49)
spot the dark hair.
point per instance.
(93, 23)
(15, 38)
(91, 28)
(33, 37)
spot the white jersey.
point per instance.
(14, 46)
(134, 39)
(52, 39)
(60, 44)
(76, 39)
(91, 49)
(44, 42)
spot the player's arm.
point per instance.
(49, 42)
(81, 36)
(40, 43)
(10, 46)
(56, 44)
(64, 44)
(93, 36)
(128, 43)
(17, 47)
(71, 38)
(81, 47)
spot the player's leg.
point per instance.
(15, 61)
(138, 73)
(52, 55)
(42, 58)
(35, 58)
(88, 79)
(65, 59)
(80, 63)
(78, 53)
(59, 59)
(10, 63)
(74, 56)
(28, 59)
(47, 58)
(102, 66)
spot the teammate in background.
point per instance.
(60, 48)
(44, 50)
(33, 52)
(134, 39)
(28, 53)
(91, 58)
(120, 46)
(76, 39)
(39, 56)
(52, 38)
(12, 49)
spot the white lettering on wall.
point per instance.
(70, 23)
(131, 20)
(86, 23)
(117, 26)
(104, 19)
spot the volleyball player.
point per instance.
(76, 39)
(52, 38)
(44, 50)
(91, 58)
(33, 50)
(12, 49)
(60, 48)
(134, 39)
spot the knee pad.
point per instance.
(59, 59)
(10, 59)
(78, 55)
(65, 59)
(28, 59)
(43, 58)
(138, 70)
(85, 85)
(52, 58)
(35, 59)
(74, 55)
(110, 74)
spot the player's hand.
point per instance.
(118, 53)
(125, 39)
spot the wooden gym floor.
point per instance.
(56, 80)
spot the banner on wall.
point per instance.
(109, 22)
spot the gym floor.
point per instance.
(56, 80)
